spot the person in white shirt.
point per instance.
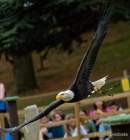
(71, 129)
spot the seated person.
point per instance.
(44, 134)
(71, 129)
(2, 95)
(100, 109)
(113, 107)
(57, 131)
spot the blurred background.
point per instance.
(42, 44)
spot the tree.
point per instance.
(37, 25)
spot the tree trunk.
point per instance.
(23, 71)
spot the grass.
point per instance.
(60, 69)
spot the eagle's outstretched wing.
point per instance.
(89, 58)
(45, 112)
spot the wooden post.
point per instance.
(2, 125)
(126, 85)
(128, 102)
(125, 82)
(13, 116)
(31, 132)
(77, 116)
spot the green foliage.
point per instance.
(36, 24)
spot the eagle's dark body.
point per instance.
(81, 86)
(84, 91)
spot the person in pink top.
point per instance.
(113, 107)
(99, 109)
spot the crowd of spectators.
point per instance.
(86, 126)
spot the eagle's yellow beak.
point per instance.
(58, 97)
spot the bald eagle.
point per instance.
(81, 87)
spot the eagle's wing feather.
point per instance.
(83, 73)
(45, 112)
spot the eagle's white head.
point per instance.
(66, 96)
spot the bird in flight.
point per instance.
(81, 87)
